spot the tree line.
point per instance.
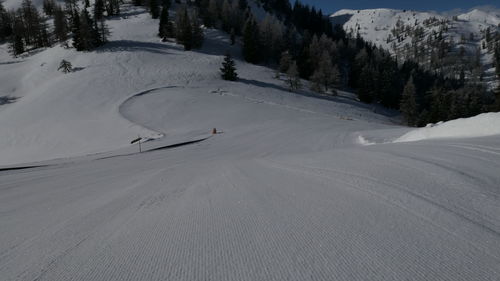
(330, 58)
(185, 27)
(27, 28)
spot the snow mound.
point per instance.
(487, 124)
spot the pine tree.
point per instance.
(102, 31)
(75, 29)
(496, 106)
(232, 37)
(228, 70)
(71, 7)
(184, 29)
(251, 41)
(197, 32)
(212, 14)
(60, 25)
(87, 32)
(293, 78)
(166, 3)
(408, 105)
(65, 66)
(98, 10)
(112, 7)
(5, 23)
(17, 45)
(226, 16)
(326, 76)
(163, 30)
(285, 61)
(154, 9)
(365, 85)
(48, 7)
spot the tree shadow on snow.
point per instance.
(10, 62)
(337, 99)
(262, 84)
(7, 100)
(76, 69)
(135, 46)
(217, 43)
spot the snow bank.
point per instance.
(487, 124)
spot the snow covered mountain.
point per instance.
(14, 4)
(295, 186)
(434, 40)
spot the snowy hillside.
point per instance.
(410, 34)
(14, 4)
(288, 188)
(79, 113)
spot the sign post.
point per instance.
(138, 139)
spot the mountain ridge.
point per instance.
(398, 31)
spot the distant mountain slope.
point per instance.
(431, 39)
(13, 4)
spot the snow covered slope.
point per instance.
(284, 192)
(398, 30)
(61, 115)
(375, 25)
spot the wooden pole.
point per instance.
(140, 148)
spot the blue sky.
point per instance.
(330, 6)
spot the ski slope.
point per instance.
(281, 194)
(284, 192)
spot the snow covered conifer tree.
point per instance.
(65, 66)
(228, 70)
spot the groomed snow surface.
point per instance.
(288, 190)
